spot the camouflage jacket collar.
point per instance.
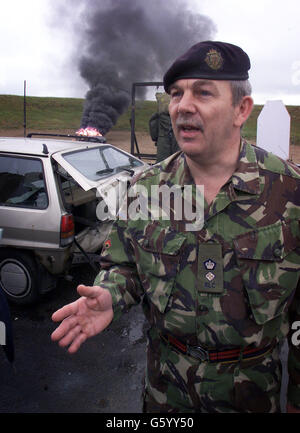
(246, 176)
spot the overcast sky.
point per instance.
(33, 49)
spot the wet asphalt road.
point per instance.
(105, 376)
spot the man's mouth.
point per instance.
(189, 128)
(188, 125)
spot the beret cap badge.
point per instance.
(209, 60)
(214, 59)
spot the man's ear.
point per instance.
(243, 111)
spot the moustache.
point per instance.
(189, 122)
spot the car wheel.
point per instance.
(18, 273)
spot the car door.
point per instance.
(29, 207)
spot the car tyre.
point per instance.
(18, 276)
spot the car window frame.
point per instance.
(26, 157)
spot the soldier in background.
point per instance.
(160, 128)
(221, 298)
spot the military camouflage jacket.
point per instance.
(233, 282)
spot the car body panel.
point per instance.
(38, 230)
(25, 227)
(88, 183)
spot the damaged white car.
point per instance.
(49, 193)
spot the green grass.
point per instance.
(42, 113)
(65, 113)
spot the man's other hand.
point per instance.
(84, 318)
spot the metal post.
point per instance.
(132, 120)
(24, 124)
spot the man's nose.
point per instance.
(186, 104)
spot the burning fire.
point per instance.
(89, 132)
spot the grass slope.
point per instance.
(65, 113)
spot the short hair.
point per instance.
(239, 89)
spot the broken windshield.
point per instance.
(100, 162)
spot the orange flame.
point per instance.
(88, 132)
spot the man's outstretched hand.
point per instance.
(84, 318)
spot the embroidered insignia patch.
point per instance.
(214, 59)
(209, 264)
(210, 276)
(210, 268)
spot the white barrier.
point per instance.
(273, 129)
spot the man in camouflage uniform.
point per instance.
(220, 297)
(161, 129)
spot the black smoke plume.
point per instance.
(126, 41)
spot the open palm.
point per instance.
(83, 318)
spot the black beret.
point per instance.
(211, 60)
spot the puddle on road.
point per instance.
(136, 330)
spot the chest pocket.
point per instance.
(158, 252)
(269, 260)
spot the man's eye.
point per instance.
(175, 94)
(205, 93)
